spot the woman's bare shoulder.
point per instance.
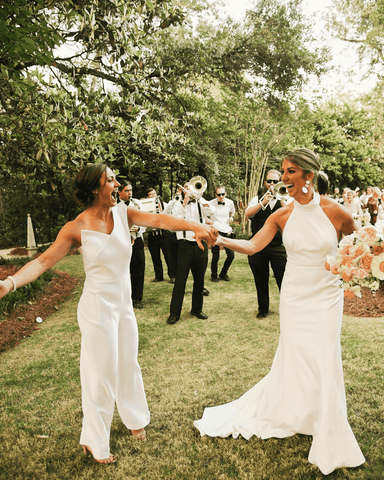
(332, 207)
(73, 227)
(281, 215)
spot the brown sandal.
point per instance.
(110, 459)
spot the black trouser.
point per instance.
(215, 258)
(259, 263)
(189, 257)
(137, 269)
(159, 241)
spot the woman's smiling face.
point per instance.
(293, 177)
(108, 188)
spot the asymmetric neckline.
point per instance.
(102, 233)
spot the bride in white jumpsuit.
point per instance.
(109, 345)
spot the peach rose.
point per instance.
(377, 249)
(345, 276)
(367, 234)
(360, 273)
(335, 268)
(344, 249)
(366, 260)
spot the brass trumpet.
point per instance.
(279, 192)
(198, 185)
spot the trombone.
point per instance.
(279, 192)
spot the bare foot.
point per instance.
(139, 434)
(110, 459)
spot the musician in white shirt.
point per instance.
(190, 257)
(224, 209)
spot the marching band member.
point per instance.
(137, 267)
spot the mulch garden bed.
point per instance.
(368, 305)
(22, 321)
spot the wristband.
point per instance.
(13, 283)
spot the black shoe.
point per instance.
(224, 277)
(172, 280)
(214, 278)
(200, 315)
(138, 304)
(206, 292)
(261, 315)
(172, 319)
(155, 280)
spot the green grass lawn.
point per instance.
(186, 367)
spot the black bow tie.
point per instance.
(192, 200)
(221, 203)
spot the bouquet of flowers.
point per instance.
(360, 260)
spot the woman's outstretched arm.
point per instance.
(32, 270)
(167, 222)
(259, 241)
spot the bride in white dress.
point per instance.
(109, 369)
(304, 391)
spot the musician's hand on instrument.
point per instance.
(267, 197)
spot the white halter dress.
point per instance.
(109, 369)
(304, 391)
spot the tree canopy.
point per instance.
(146, 88)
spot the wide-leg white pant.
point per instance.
(109, 369)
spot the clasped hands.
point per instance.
(207, 233)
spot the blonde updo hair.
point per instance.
(309, 162)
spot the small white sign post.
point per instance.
(31, 242)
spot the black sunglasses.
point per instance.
(272, 181)
(220, 194)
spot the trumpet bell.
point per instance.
(198, 184)
(280, 191)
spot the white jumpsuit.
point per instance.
(109, 369)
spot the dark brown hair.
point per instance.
(86, 181)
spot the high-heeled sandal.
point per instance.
(110, 459)
(139, 434)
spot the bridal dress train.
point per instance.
(304, 390)
(109, 369)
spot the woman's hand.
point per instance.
(205, 232)
(5, 288)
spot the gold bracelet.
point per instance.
(13, 283)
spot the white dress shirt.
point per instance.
(190, 212)
(135, 203)
(223, 214)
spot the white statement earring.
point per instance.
(306, 186)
